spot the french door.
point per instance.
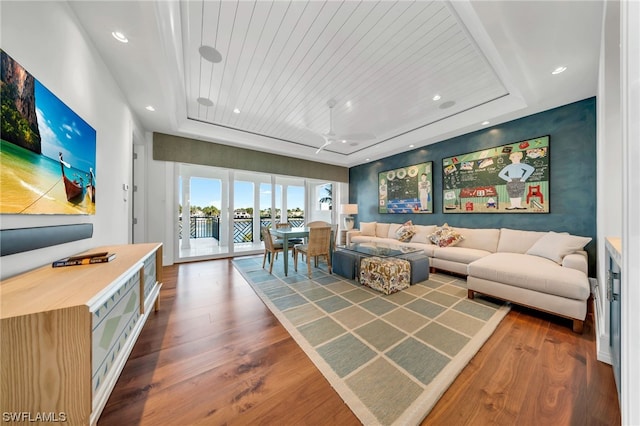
(220, 211)
(202, 230)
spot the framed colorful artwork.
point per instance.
(511, 178)
(48, 152)
(406, 190)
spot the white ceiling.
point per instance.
(382, 62)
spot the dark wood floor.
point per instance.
(214, 354)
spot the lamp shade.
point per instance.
(348, 208)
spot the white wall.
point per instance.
(619, 187)
(609, 164)
(161, 208)
(46, 39)
(630, 288)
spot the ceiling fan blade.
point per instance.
(327, 142)
(330, 136)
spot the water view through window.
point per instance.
(214, 229)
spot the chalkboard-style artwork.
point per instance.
(48, 152)
(406, 190)
(510, 178)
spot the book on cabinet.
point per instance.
(89, 259)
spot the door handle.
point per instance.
(611, 276)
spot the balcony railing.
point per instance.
(209, 227)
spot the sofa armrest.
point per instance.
(352, 233)
(578, 261)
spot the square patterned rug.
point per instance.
(390, 358)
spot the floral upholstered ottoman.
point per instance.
(385, 274)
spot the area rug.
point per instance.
(389, 357)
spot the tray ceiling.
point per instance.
(400, 73)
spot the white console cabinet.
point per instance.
(67, 333)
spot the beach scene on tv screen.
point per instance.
(48, 153)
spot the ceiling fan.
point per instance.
(331, 137)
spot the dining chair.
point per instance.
(323, 224)
(318, 224)
(271, 248)
(334, 236)
(292, 240)
(319, 245)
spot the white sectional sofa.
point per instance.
(547, 271)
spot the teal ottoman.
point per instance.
(344, 263)
(419, 266)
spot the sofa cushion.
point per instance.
(393, 228)
(577, 260)
(533, 273)
(481, 239)
(382, 229)
(459, 254)
(516, 241)
(555, 246)
(368, 229)
(422, 234)
(362, 238)
(369, 239)
(427, 248)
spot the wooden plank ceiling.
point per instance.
(391, 67)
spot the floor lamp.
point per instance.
(348, 210)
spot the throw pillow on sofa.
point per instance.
(405, 232)
(555, 246)
(393, 228)
(423, 232)
(445, 236)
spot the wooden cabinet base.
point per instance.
(67, 333)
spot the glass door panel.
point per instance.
(201, 222)
(295, 205)
(269, 215)
(322, 202)
(243, 217)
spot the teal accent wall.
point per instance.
(572, 130)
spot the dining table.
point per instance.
(285, 234)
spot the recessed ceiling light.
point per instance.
(366, 159)
(411, 146)
(205, 102)
(343, 141)
(120, 37)
(559, 70)
(484, 123)
(210, 53)
(150, 108)
(236, 111)
(437, 97)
